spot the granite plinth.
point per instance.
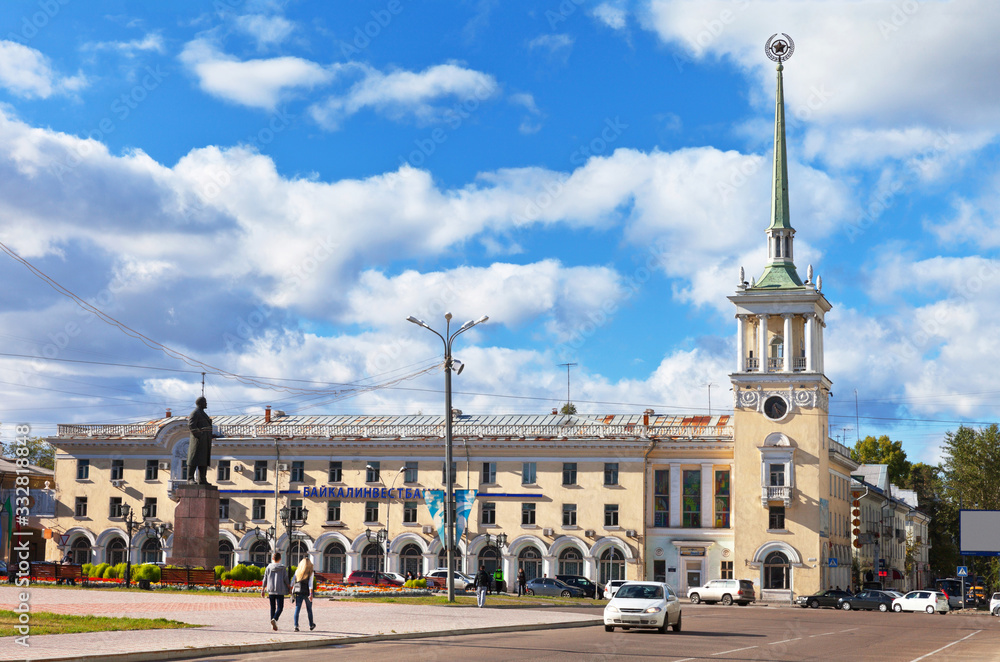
(196, 526)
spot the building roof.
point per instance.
(9, 466)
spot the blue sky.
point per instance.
(271, 188)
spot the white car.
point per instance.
(395, 575)
(995, 604)
(929, 601)
(611, 587)
(462, 580)
(643, 605)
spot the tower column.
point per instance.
(788, 342)
(762, 341)
(820, 325)
(741, 330)
(810, 330)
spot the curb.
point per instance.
(237, 649)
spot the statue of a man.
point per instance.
(200, 445)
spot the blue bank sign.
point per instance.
(334, 492)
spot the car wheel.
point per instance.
(930, 609)
(695, 598)
(897, 608)
(609, 628)
(530, 592)
(883, 607)
(626, 629)
(846, 606)
(677, 625)
(814, 604)
(996, 611)
(564, 594)
(727, 600)
(666, 621)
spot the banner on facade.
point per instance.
(435, 500)
(464, 499)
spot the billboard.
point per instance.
(979, 532)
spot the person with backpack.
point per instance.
(275, 587)
(303, 590)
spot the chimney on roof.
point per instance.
(267, 414)
(554, 411)
(645, 416)
(169, 413)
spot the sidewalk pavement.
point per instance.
(239, 623)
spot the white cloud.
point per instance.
(402, 94)
(28, 73)
(268, 31)
(531, 122)
(610, 15)
(151, 42)
(553, 43)
(255, 83)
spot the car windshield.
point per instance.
(639, 591)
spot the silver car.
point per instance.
(553, 587)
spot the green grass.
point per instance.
(43, 622)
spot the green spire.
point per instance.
(779, 182)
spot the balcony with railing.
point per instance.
(781, 493)
(753, 364)
(799, 364)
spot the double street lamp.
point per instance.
(380, 537)
(267, 535)
(291, 518)
(131, 524)
(448, 338)
(499, 541)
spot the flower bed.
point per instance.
(237, 586)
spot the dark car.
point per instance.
(554, 587)
(370, 578)
(869, 600)
(588, 587)
(829, 598)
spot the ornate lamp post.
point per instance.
(379, 537)
(499, 541)
(292, 519)
(265, 534)
(130, 525)
(448, 338)
(156, 531)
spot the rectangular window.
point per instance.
(336, 472)
(149, 508)
(371, 511)
(82, 469)
(260, 471)
(489, 513)
(777, 472)
(152, 469)
(117, 469)
(726, 571)
(776, 518)
(569, 514)
(295, 510)
(298, 472)
(528, 473)
(373, 472)
(569, 473)
(722, 499)
(527, 513)
(259, 509)
(115, 507)
(610, 473)
(332, 511)
(611, 514)
(661, 497)
(489, 472)
(410, 512)
(454, 472)
(691, 503)
(411, 473)
(222, 471)
(80, 509)
(184, 469)
(224, 509)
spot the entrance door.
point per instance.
(692, 574)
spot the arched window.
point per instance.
(530, 560)
(82, 552)
(226, 552)
(612, 565)
(371, 557)
(489, 558)
(411, 560)
(777, 572)
(298, 551)
(116, 551)
(788, 246)
(777, 347)
(260, 553)
(443, 559)
(151, 551)
(335, 559)
(571, 562)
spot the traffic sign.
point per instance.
(963, 571)
(832, 562)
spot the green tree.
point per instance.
(927, 481)
(37, 450)
(883, 451)
(972, 467)
(568, 408)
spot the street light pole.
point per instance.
(388, 505)
(448, 338)
(130, 525)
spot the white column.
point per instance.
(762, 342)
(741, 322)
(676, 495)
(819, 343)
(788, 342)
(810, 331)
(707, 496)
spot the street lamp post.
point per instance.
(448, 338)
(380, 537)
(267, 534)
(388, 505)
(130, 525)
(499, 541)
(155, 531)
(290, 519)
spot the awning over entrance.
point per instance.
(896, 574)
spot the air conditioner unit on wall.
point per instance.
(590, 533)
(164, 466)
(117, 482)
(547, 532)
(282, 466)
(428, 529)
(240, 526)
(238, 468)
(631, 533)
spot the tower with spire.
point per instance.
(787, 530)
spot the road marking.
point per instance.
(849, 629)
(784, 641)
(948, 646)
(821, 635)
(735, 650)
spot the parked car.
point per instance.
(371, 578)
(589, 588)
(869, 600)
(554, 587)
(929, 601)
(726, 591)
(975, 596)
(643, 605)
(396, 576)
(611, 587)
(830, 598)
(462, 580)
(995, 604)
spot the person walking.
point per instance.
(275, 587)
(498, 584)
(303, 590)
(483, 580)
(522, 580)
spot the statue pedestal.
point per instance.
(196, 527)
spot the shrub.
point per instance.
(88, 569)
(97, 571)
(119, 571)
(226, 574)
(420, 583)
(148, 571)
(219, 569)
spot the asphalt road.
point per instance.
(710, 633)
